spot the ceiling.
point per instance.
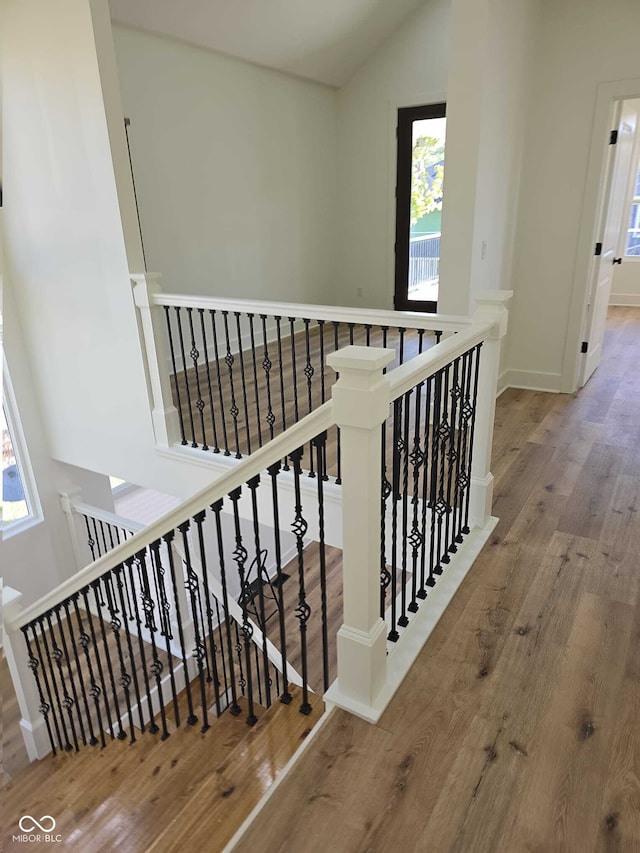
(322, 40)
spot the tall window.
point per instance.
(419, 192)
(20, 505)
(632, 244)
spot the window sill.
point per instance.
(16, 527)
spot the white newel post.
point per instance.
(492, 306)
(67, 501)
(361, 399)
(164, 414)
(32, 725)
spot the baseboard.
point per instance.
(624, 299)
(530, 380)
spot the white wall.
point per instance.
(37, 558)
(582, 43)
(234, 168)
(410, 68)
(65, 249)
(488, 89)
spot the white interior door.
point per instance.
(613, 211)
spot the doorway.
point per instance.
(421, 135)
(616, 262)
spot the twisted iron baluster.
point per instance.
(84, 592)
(422, 592)
(45, 707)
(125, 678)
(244, 382)
(136, 561)
(214, 331)
(183, 355)
(404, 619)
(67, 660)
(90, 541)
(266, 366)
(212, 409)
(473, 401)
(157, 667)
(273, 471)
(67, 701)
(199, 520)
(303, 611)
(94, 690)
(200, 650)
(415, 538)
(229, 360)
(253, 485)
(255, 378)
(234, 708)
(240, 557)
(191, 718)
(165, 614)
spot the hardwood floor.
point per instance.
(517, 727)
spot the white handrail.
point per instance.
(329, 313)
(107, 517)
(401, 379)
(293, 438)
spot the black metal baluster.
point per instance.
(217, 509)
(385, 574)
(185, 372)
(121, 582)
(446, 437)
(96, 650)
(309, 371)
(255, 378)
(194, 354)
(242, 681)
(402, 334)
(351, 327)
(165, 615)
(105, 548)
(244, 382)
(67, 660)
(420, 340)
(472, 427)
(453, 460)
(273, 471)
(94, 690)
(319, 442)
(196, 613)
(292, 342)
(223, 411)
(367, 334)
(67, 701)
(438, 336)
(96, 540)
(435, 443)
(404, 619)
(240, 557)
(90, 541)
(229, 361)
(45, 706)
(109, 531)
(156, 668)
(322, 364)
(199, 520)
(395, 497)
(422, 592)
(253, 485)
(266, 366)
(78, 666)
(415, 537)
(462, 481)
(303, 611)
(191, 719)
(125, 678)
(175, 375)
(212, 408)
(130, 563)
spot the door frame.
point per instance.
(394, 104)
(591, 219)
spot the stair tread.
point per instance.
(227, 796)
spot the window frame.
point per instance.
(631, 200)
(23, 462)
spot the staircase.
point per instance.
(190, 792)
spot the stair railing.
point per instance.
(439, 464)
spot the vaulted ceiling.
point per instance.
(322, 40)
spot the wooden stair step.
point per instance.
(122, 795)
(218, 807)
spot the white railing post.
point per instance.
(361, 399)
(67, 501)
(164, 414)
(32, 725)
(492, 306)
